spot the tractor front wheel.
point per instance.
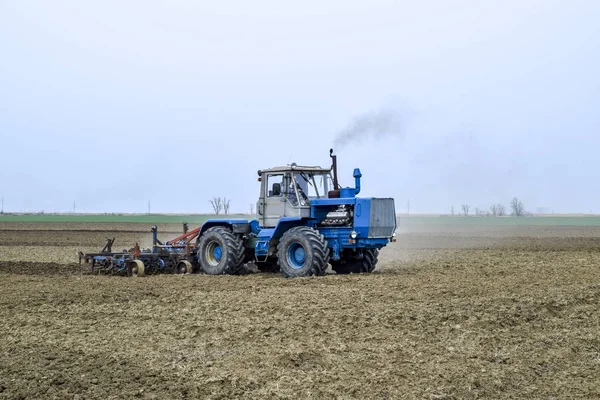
(302, 251)
(220, 251)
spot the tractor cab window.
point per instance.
(323, 184)
(316, 186)
(275, 186)
(295, 190)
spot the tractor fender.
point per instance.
(282, 226)
(236, 225)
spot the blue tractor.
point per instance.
(305, 221)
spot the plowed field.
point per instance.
(450, 313)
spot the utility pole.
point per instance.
(408, 207)
(148, 206)
(73, 206)
(2, 205)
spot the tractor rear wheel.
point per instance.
(302, 251)
(366, 264)
(220, 251)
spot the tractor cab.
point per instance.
(287, 191)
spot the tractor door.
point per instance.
(273, 207)
(280, 200)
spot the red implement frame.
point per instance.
(186, 237)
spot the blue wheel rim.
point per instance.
(213, 253)
(217, 253)
(296, 255)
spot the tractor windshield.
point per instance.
(316, 186)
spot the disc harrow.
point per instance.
(175, 256)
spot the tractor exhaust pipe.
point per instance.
(334, 167)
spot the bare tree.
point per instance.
(217, 204)
(226, 203)
(498, 210)
(518, 209)
(465, 208)
(501, 210)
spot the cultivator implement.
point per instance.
(176, 256)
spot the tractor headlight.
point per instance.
(353, 234)
(394, 234)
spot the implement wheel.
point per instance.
(220, 251)
(302, 251)
(184, 267)
(357, 265)
(136, 268)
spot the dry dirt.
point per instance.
(451, 313)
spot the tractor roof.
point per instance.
(296, 168)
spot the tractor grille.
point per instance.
(383, 218)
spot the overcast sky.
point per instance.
(112, 104)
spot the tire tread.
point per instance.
(318, 244)
(234, 247)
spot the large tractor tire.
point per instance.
(220, 251)
(136, 268)
(357, 265)
(302, 251)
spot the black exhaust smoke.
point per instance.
(370, 126)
